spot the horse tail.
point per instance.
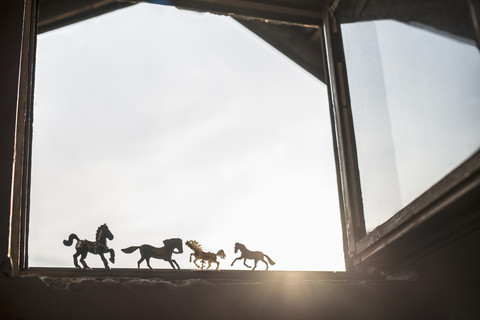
(269, 260)
(69, 242)
(130, 249)
(221, 254)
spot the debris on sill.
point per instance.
(77, 283)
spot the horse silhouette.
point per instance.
(99, 246)
(255, 255)
(165, 253)
(199, 254)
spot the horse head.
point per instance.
(192, 244)
(104, 232)
(175, 243)
(237, 246)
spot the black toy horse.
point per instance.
(165, 253)
(99, 246)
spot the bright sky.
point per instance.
(165, 123)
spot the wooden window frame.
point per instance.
(447, 210)
(305, 13)
(19, 204)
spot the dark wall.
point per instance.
(449, 279)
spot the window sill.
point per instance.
(445, 212)
(186, 274)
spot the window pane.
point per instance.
(166, 123)
(415, 99)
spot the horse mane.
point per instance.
(221, 254)
(238, 244)
(195, 245)
(97, 235)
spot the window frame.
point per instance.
(444, 212)
(306, 13)
(19, 205)
(380, 252)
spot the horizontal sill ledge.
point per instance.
(175, 275)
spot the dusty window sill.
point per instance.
(174, 275)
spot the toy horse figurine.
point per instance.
(165, 253)
(99, 247)
(255, 255)
(203, 256)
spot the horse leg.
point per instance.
(75, 260)
(172, 262)
(105, 263)
(195, 262)
(236, 260)
(140, 261)
(82, 261)
(209, 264)
(191, 255)
(218, 265)
(112, 255)
(263, 259)
(148, 263)
(245, 263)
(255, 265)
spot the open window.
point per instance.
(401, 82)
(407, 110)
(168, 123)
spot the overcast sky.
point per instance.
(165, 123)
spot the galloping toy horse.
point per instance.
(199, 254)
(99, 246)
(255, 255)
(165, 253)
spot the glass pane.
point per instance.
(166, 123)
(415, 96)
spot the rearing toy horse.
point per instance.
(99, 246)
